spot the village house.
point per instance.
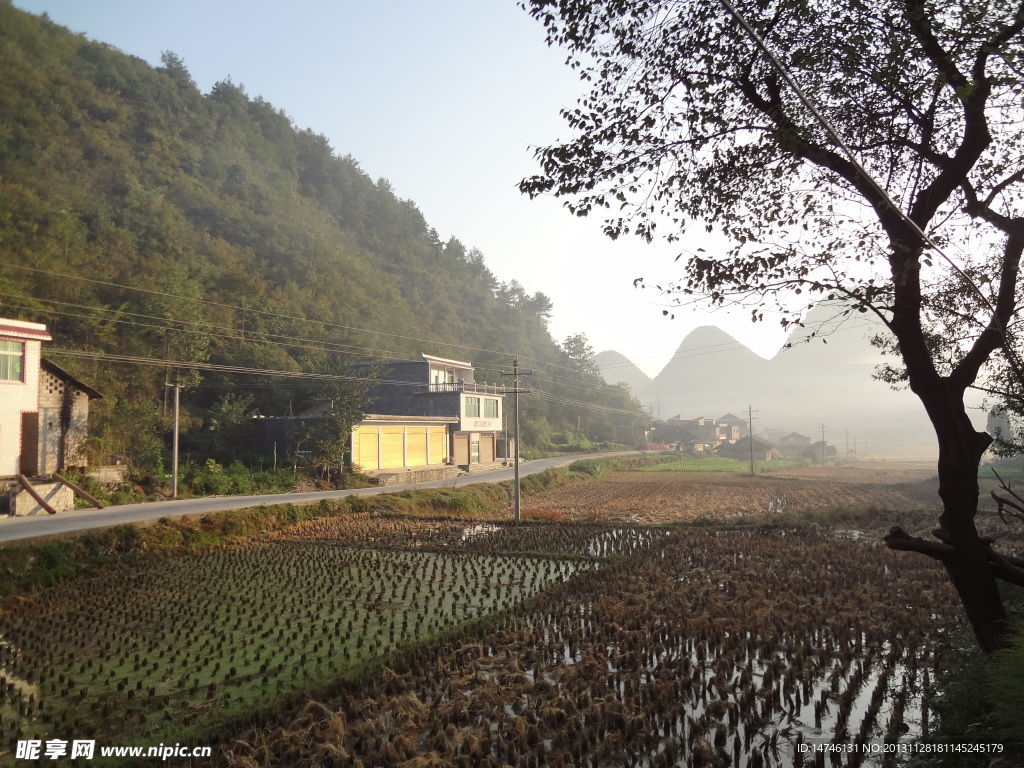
(44, 414)
(676, 437)
(794, 445)
(748, 446)
(63, 418)
(738, 427)
(20, 352)
(709, 433)
(428, 410)
(819, 452)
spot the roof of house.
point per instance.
(445, 361)
(24, 330)
(675, 433)
(56, 370)
(373, 417)
(760, 441)
(422, 358)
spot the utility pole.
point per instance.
(516, 373)
(177, 421)
(167, 371)
(823, 451)
(750, 435)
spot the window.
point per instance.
(472, 407)
(12, 360)
(490, 408)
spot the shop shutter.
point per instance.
(416, 447)
(438, 445)
(365, 450)
(392, 447)
(486, 448)
(462, 448)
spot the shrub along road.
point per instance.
(14, 528)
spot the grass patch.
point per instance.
(719, 464)
(595, 467)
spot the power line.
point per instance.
(301, 375)
(191, 364)
(247, 309)
(297, 342)
(290, 342)
(198, 328)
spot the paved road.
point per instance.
(13, 528)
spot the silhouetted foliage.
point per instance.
(692, 117)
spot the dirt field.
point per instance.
(667, 497)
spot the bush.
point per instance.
(980, 699)
(208, 479)
(540, 481)
(592, 467)
(1005, 682)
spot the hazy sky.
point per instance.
(446, 99)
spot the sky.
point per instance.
(447, 100)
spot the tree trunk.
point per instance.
(960, 450)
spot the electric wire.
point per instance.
(305, 375)
(201, 329)
(243, 309)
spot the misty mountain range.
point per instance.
(825, 380)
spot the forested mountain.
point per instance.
(143, 218)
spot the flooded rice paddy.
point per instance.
(481, 643)
(681, 647)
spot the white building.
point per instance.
(20, 351)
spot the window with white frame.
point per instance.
(472, 407)
(490, 408)
(12, 360)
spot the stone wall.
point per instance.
(57, 495)
(108, 474)
(403, 476)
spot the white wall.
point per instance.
(17, 397)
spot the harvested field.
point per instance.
(707, 647)
(593, 639)
(673, 497)
(486, 538)
(879, 472)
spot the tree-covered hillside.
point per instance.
(142, 218)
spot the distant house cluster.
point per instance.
(729, 436)
(44, 414)
(699, 435)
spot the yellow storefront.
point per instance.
(400, 442)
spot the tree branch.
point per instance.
(1007, 568)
